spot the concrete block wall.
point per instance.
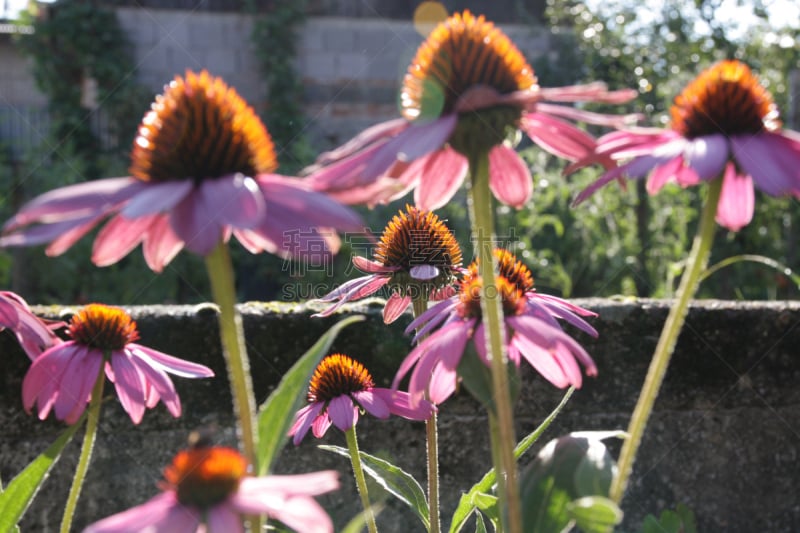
(351, 69)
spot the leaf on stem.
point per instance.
(394, 479)
(19, 494)
(466, 504)
(275, 414)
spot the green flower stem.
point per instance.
(483, 238)
(494, 438)
(86, 451)
(432, 440)
(695, 264)
(361, 482)
(220, 272)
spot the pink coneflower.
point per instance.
(468, 91)
(62, 377)
(201, 169)
(207, 489)
(339, 389)
(533, 333)
(724, 122)
(34, 334)
(417, 256)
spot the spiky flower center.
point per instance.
(513, 280)
(199, 129)
(103, 327)
(338, 375)
(205, 476)
(415, 238)
(726, 98)
(510, 268)
(462, 53)
(470, 296)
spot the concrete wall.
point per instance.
(723, 438)
(351, 69)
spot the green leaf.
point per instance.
(594, 514)
(566, 469)
(19, 494)
(275, 414)
(397, 482)
(480, 526)
(681, 521)
(487, 504)
(465, 504)
(359, 522)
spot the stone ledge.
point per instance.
(723, 439)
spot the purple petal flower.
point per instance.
(201, 171)
(62, 377)
(208, 489)
(339, 388)
(533, 334)
(454, 109)
(706, 136)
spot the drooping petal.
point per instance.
(373, 267)
(157, 380)
(368, 137)
(173, 365)
(342, 412)
(355, 289)
(412, 143)
(303, 420)
(33, 334)
(372, 403)
(222, 517)
(76, 385)
(399, 403)
(129, 383)
(68, 237)
(448, 342)
(509, 177)
(321, 424)
(158, 511)
(662, 174)
(442, 384)
(736, 200)
(71, 229)
(548, 336)
(234, 201)
(707, 155)
(541, 360)
(157, 198)
(441, 175)
(581, 115)
(118, 237)
(83, 200)
(395, 306)
(773, 170)
(42, 382)
(192, 222)
(558, 137)
(161, 244)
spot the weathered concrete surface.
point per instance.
(724, 439)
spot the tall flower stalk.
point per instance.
(361, 481)
(223, 289)
(420, 305)
(726, 131)
(690, 281)
(481, 215)
(86, 452)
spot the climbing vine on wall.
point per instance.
(82, 63)
(273, 37)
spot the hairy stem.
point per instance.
(695, 264)
(480, 200)
(220, 273)
(86, 451)
(361, 482)
(420, 304)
